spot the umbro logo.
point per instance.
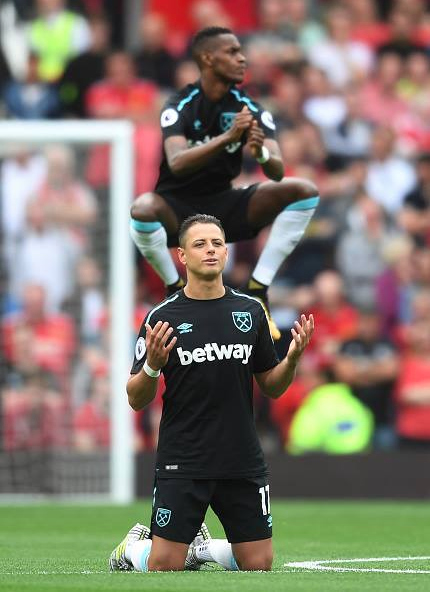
(185, 328)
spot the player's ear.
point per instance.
(181, 255)
(206, 59)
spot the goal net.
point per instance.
(66, 274)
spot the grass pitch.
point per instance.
(65, 548)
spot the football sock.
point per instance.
(218, 551)
(151, 240)
(137, 552)
(287, 230)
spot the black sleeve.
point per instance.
(172, 121)
(265, 356)
(140, 350)
(265, 121)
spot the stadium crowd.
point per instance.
(348, 83)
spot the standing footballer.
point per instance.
(209, 341)
(205, 127)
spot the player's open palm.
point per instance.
(302, 333)
(158, 346)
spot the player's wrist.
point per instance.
(263, 156)
(150, 371)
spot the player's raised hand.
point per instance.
(241, 123)
(158, 346)
(255, 139)
(302, 333)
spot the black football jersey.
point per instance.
(191, 114)
(207, 428)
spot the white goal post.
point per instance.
(119, 134)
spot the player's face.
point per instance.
(204, 253)
(227, 59)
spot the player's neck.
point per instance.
(214, 88)
(198, 289)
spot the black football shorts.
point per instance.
(242, 506)
(229, 206)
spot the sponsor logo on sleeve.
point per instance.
(267, 119)
(169, 117)
(140, 348)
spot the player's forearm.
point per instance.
(193, 159)
(274, 168)
(141, 390)
(276, 381)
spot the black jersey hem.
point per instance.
(160, 474)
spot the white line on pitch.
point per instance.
(322, 565)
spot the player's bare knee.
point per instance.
(144, 208)
(165, 563)
(256, 563)
(305, 189)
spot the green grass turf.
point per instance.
(67, 540)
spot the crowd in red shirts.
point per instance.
(348, 83)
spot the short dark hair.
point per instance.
(202, 37)
(197, 219)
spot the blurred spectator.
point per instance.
(335, 318)
(414, 215)
(309, 376)
(359, 250)
(369, 363)
(210, 13)
(289, 20)
(57, 35)
(34, 414)
(366, 27)
(342, 59)
(404, 36)
(21, 174)
(45, 257)
(32, 98)
(297, 25)
(261, 68)
(389, 178)
(49, 339)
(85, 69)
(379, 97)
(351, 137)
(331, 420)
(288, 101)
(122, 95)
(65, 200)
(153, 60)
(87, 304)
(90, 362)
(413, 389)
(324, 107)
(91, 421)
(394, 286)
(186, 72)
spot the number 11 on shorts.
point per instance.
(265, 499)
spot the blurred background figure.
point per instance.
(154, 61)
(85, 69)
(31, 98)
(56, 35)
(348, 83)
(332, 421)
(413, 389)
(369, 365)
